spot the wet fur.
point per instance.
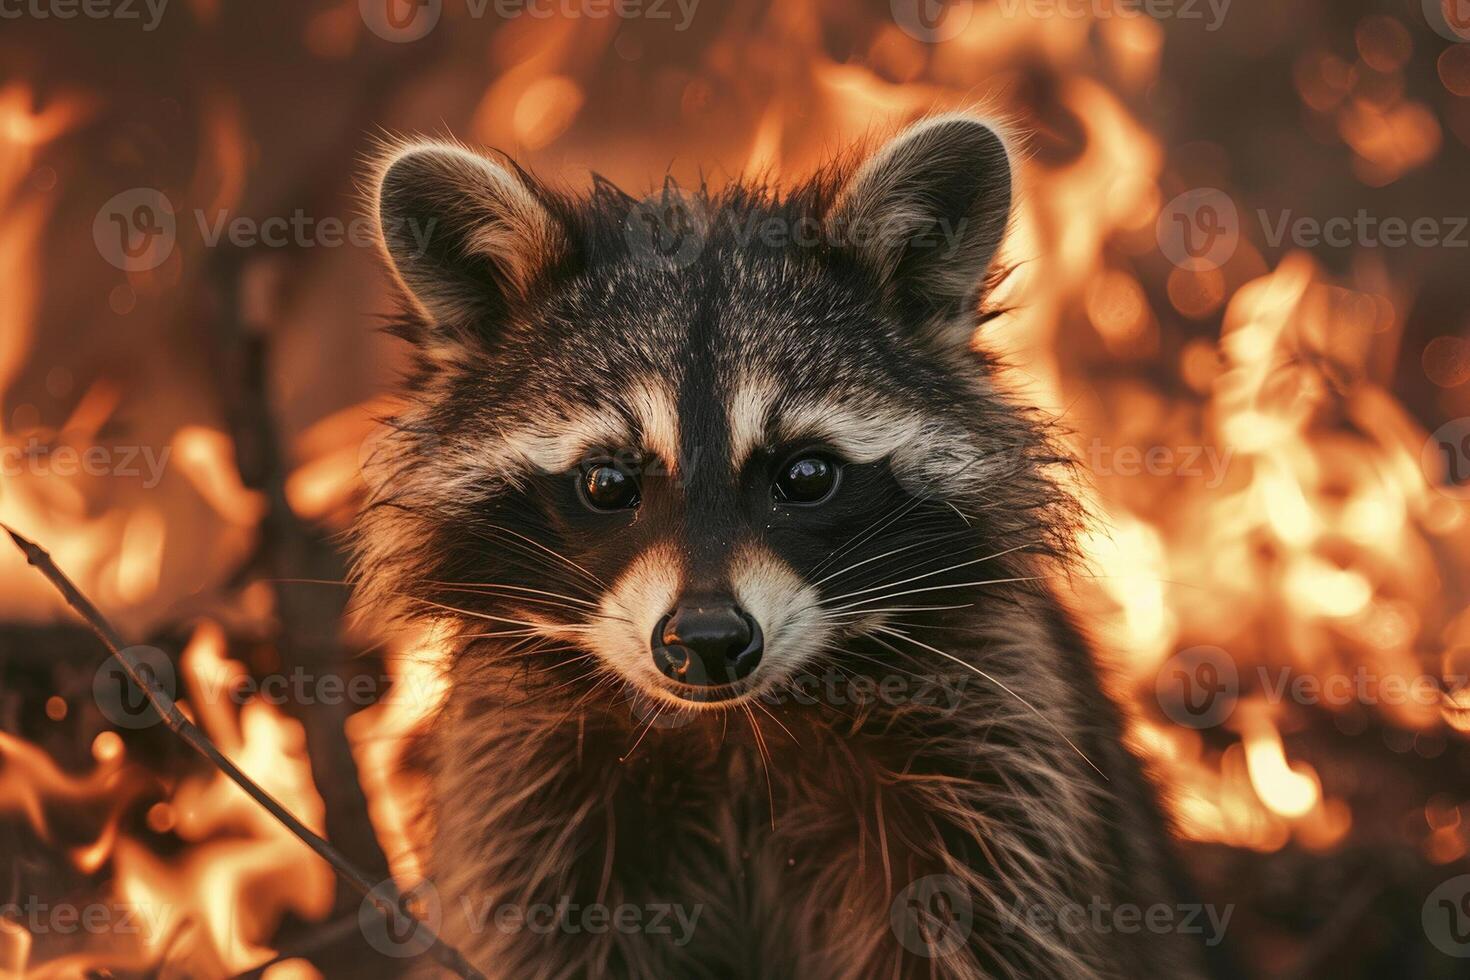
(793, 827)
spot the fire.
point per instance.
(1311, 544)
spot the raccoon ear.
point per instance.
(467, 236)
(926, 214)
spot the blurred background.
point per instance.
(1242, 280)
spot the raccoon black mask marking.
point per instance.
(748, 561)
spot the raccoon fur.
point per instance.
(749, 563)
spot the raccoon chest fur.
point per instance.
(751, 568)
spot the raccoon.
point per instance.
(749, 562)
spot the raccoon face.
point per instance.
(695, 470)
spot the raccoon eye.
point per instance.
(808, 478)
(606, 487)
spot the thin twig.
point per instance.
(388, 900)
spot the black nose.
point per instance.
(707, 642)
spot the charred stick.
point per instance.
(388, 900)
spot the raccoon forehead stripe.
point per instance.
(920, 445)
(643, 418)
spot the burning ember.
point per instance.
(1271, 426)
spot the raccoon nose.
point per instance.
(707, 642)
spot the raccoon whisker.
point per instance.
(881, 663)
(897, 512)
(503, 587)
(998, 683)
(522, 555)
(931, 574)
(760, 745)
(928, 542)
(841, 616)
(783, 728)
(552, 552)
(472, 614)
(939, 588)
(646, 729)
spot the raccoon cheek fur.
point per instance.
(759, 666)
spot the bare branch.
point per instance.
(391, 904)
